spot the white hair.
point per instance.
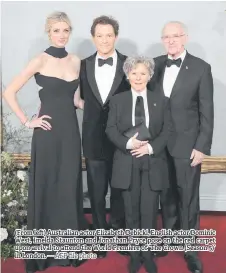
(182, 25)
(131, 62)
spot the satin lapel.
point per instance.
(130, 108)
(117, 79)
(152, 108)
(125, 119)
(90, 70)
(181, 77)
(162, 78)
(161, 73)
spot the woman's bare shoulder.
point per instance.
(39, 60)
(74, 58)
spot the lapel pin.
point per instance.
(186, 67)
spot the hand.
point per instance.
(40, 122)
(143, 150)
(81, 104)
(197, 158)
(137, 143)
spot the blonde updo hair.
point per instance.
(56, 17)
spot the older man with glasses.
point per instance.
(187, 81)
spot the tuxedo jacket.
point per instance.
(95, 143)
(120, 120)
(191, 104)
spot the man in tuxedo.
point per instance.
(101, 77)
(188, 82)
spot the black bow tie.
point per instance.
(170, 62)
(108, 61)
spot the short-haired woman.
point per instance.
(139, 164)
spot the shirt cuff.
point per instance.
(150, 150)
(129, 144)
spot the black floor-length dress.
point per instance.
(55, 185)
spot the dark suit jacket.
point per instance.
(95, 142)
(191, 104)
(119, 120)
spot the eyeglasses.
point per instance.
(174, 38)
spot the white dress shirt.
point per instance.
(134, 96)
(170, 75)
(104, 75)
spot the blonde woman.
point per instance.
(55, 186)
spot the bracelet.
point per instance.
(27, 124)
(24, 121)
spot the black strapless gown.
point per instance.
(55, 198)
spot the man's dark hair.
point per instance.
(105, 20)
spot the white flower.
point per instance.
(12, 203)
(21, 175)
(21, 165)
(9, 193)
(2, 215)
(4, 234)
(23, 185)
(23, 213)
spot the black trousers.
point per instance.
(141, 203)
(180, 203)
(98, 178)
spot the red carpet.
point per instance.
(173, 263)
